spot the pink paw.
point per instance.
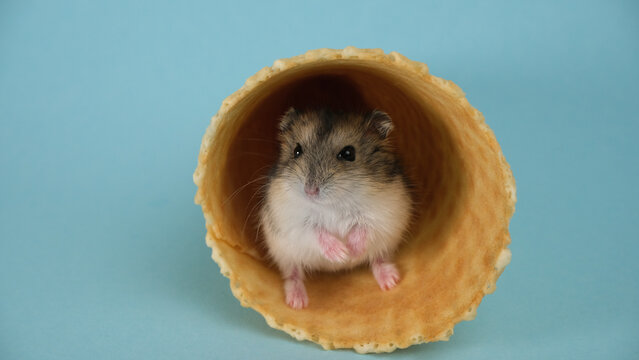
(386, 274)
(332, 249)
(296, 296)
(357, 241)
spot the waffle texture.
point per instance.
(464, 193)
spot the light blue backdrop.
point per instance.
(103, 106)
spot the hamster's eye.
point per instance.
(297, 152)
(347, 153)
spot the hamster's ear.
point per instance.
(380, 122)
(288, 118)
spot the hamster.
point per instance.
(336, 198)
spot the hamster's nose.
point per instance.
(311, 190)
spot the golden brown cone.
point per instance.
(464, 191)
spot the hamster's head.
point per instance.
(328, 156)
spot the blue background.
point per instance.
(103, 106)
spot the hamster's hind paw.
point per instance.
(296, 296)
(386, 274)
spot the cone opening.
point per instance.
(422, 141)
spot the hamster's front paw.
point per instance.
(357, 241)
(332, 249)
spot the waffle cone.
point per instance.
(464, 193)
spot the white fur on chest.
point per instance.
(292, 221)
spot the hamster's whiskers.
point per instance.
(238, 190)
(255, 206)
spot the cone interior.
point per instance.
(460, 225)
